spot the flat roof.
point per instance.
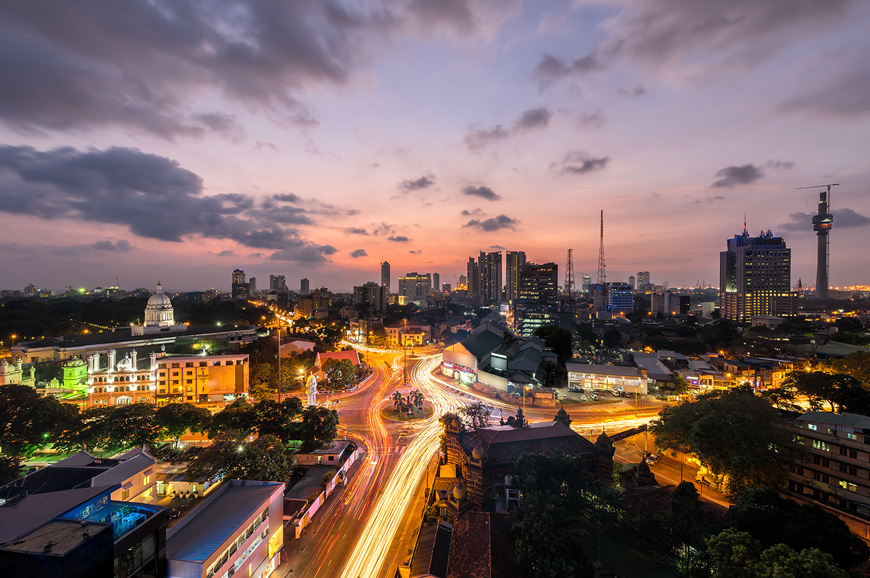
(29, 513)
(603, 369)
(56, 537)
(311, 481)
(849, 419)
(214, 523)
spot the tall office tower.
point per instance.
(490, 284)
(385, 275)
(446, 287)
(436, 281)
(621, 298)
(252, 285)
(662, 302)
(642, 280)
(463, 282)
(755, 277)
(240, 289)
(632, 281)
(514, 262)
(373, 294)
(587, 279)
(415, 287)
(304, 287)
(473, 283)
(537, 297)
(277, 283)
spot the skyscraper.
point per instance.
(632, 281)
(643, 280)
(277, 283)
(238, 276)
(252, 285)
(514, 262)
(620, 298)
(537, 297)
(755, 277)
(490, 283)
(473, 283)
(436, 281)
(415, 287)
(385, 276)
(240, 289)
(304, 287)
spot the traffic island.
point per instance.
(391, 414)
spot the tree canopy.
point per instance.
(734, 433)
(263, 459)
(561, 341)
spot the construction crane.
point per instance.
(822, 223)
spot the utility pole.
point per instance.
(279, 360)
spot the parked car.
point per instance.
(652, 459)
(593, 397)
(583, 397)
(616, 393)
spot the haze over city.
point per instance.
(315, 139)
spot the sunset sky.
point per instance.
(180, 140)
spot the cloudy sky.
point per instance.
(180, 140)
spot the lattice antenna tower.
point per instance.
(569, 275)
(602, 276)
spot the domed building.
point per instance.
(159, 315)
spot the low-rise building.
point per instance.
(607, 377)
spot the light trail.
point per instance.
(370, 551)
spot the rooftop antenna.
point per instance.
(822, 223)
(602, 277)
(569, 275)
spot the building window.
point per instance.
(812, 426)
(852, 436)
(832, 432)
(125, 495)
(820, 445)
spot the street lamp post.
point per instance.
(279, 361)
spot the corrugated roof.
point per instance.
(849, 419)
(124, 470)
(432, 550)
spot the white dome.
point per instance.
(159, 310)
(159, 301)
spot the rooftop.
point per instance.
(56, 537)
(22, 516)
(847, 419)
(603, 369)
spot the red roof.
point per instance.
(350, 355)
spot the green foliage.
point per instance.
(279, 419)
(733, 433)
(263, 459)
(679, 383)
(129, 426)
(558, 339)
(319, 427)
(27, 421)
(720, 334)
(240, 416)
(340, 373)
(9, 470)
(175, 419)
(736, 554)
(839, 391)
(855, 364)
(772, 519)
(612, 339)
(475, 415)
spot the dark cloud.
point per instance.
(382, 229)
(456, 14)
(227, 253)
(778, 164)
(266, 145)
(713, 36)
(300, 251)
(423, 182)
(594, 119)
(481, 191)
(151, 195)
(579, 163)
(498, 247)
(742, 175)
(635, 92)
(287, 198)
(415, 251)
(356, 231)
(472, 213)
(533, 118)
(841, 98)
(478, 138)
(550, 68)
(120, 245)
(359, 253)
(398, 239)
(148, 64)
(843, 218)
(493, 224)
(709, 200)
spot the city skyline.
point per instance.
(316, 141)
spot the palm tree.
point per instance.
(397, 400)
(418, 399)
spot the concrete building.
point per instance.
(304, 287)
(411, 334)
(159, 316)
(312, 306)
(537, 297)
(620, 298)
(16, 373)
(278, 283)
(607, 377)
(385, 276)
(237, 529)
(662, 302)
(436, 282)
(643, 282)
(415, 287)
(473, 279)
(514, 263)
(372, 294)
(489, 267)
(836, 471)
(240, 288)
(755, 277)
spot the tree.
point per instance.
(558, 339)
(720, 334)
(129, 426)
(240, 416)
(319, 427)
(278, 419)
(27, 421)
(612, 339)
(734, 433)
(263, 459)
(840, 391)
(261, 391)
(476, 415)
(772, 519)
(339, 373)
(175, 419)
(855, 364)
(685, 520)
(86, 430)
(679, 384)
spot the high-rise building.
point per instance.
(586, 281)
(304, 287)
(240, 289)
(446, 287)
(436, 281)
(662, 302)
(537, 297)
(514, 262)
(373, 294)
(490, 284)
(643, 281)
(415, 287)
(463, 281)
(621, 298)
(632, 281)
(473, 284)
(755, 277)
(385, 276)
(252, 286)
(277, 283)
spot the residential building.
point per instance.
(436, 282)
(278, 283)
(313, 306)
(372, 294)
(835, 473)
(662, 302)
(240, 288)
(415, 287)
(490, 283)
(304, 287)
(473, 279)
(755, 277)
(643, 282)
(632, 281)
(514, 263)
